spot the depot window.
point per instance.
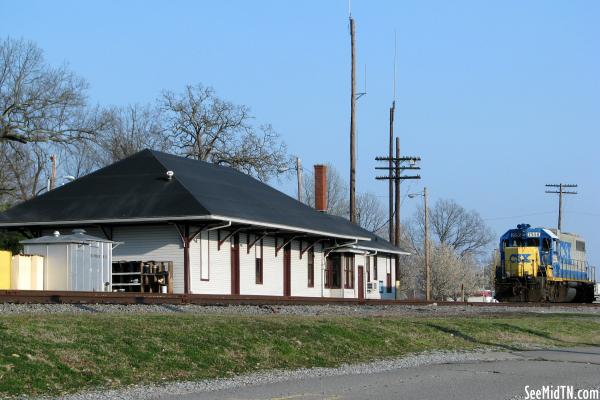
(333, 272)
(375, 268)
(258, 263)
(311, 267)
(349, 272)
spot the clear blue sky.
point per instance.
(498, 98)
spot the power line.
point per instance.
(560, 192)
(407, 191)
(396, 166)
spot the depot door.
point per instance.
(287, 270)
(361, 283)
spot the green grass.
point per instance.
(55, 354)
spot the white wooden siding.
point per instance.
(210, 268)
(272, 270)
(299, 271)
(216, 264)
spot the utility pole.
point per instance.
(397, 177)
(353, 126)
(391, 183)
(427, 270)
(425, 195)
(299, 176)
(53, 175)
(560, 192)
(397, 195)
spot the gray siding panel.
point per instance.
(151, 243)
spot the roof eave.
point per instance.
(183, 218)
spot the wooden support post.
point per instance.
(257, 238)
(285, 243)
(186, 259)
(230, 234)
(310, 246)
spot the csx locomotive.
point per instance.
(539, 264)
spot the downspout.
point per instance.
(339, 246)
(214, 228)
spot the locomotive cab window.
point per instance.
(546, 245)
(528, 242)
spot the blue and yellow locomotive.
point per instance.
(538, 264)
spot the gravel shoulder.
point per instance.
(422, 369)
(173, 390)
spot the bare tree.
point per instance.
(458, 237)
(201, 125)
(371, 214)
(489, 270)
(24, 170)
(452, 226)
(40, 103)
(131, 129)
(79, 158)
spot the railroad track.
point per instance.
(69, 297)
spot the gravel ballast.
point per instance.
(303, 310)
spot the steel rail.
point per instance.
(71, 297)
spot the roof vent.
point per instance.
(170, 175)
(78, 231)
(56, 233)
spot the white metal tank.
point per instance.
(77, 262)
(21, 273)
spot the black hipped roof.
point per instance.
(137, 189)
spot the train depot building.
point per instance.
(177, 225)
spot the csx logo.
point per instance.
(516, 258)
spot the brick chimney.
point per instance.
(321, 188)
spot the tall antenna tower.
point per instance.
(391, 156)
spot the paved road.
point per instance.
(488, 379)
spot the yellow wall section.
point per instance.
(515, 264)
(5, 267)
